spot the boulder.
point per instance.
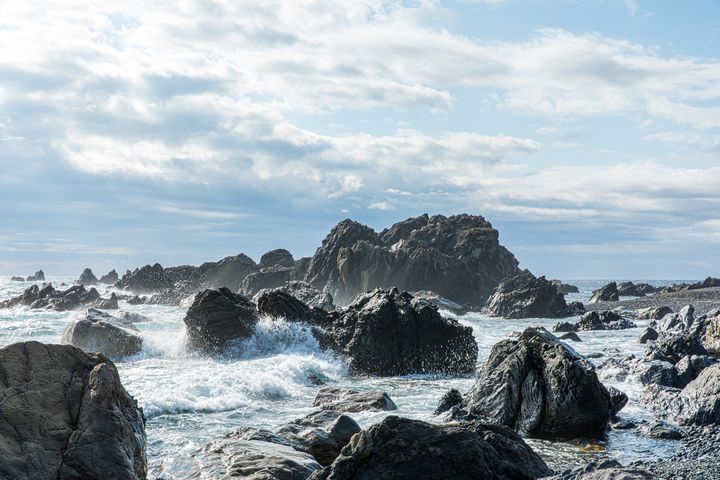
(67, 416)
(351, 401)
(404, 449)
(132, 317)
(279, 304)
(385, 332)
(711, 339)
(458, 257)
(228, 272)
(147, 279)
(564, 287)
(648, 335)
(572, 336)
(277, 258)
(540, 387)
(700, 399)
(564, 327)
(605, 470)
(661, 430)
(108, 304)
(440, 302)
(606, 293)
(525, 296)
(452, 398)
(271, 278)
(38, 277)
(17, 279)
(689, 368)
(672, 348)
(681, 321)
(654, 313)
(110, 278)
(87, 278)
(98, 331)
(217, 317)
(618, 400)
(657, 372)
(604, 320)
(630, 289)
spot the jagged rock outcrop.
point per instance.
(630, 289)
(87, 278)
(385, 332)
(17, 279)
(404, 449)
(540, 387)
(441, 303)
(277, 258)
(147, 279)
(265, 278)
(66, 416)
(350, 401)
(110, 278)
(564, 287)
(39, 276)
(309, 295)
(602, 320)
(654, 313)
(217, 317)
(606, 293)
(228, 272)
(711, 339)
(49, 298)
(108, 303)
(526, 296)
(98, 331)
(280, 304)
(458, 257)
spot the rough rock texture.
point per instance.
(564, 287)
(403, 449)
(49, 298)
(147, 279)
(108, 303)
(228, 272)
(87, 278)
(66, 416)
(711, 339)
(110, 278)
(97, 331)
(654, 313)
(280, 304)
(671, 348)
(648, 335)
(440, 302)
(271, 278)
(457, 257)
(450, 399)
(701, 399)
(605, 470)
(38, 277)
(525, 296)
(605, 320)
(385, 332)
(277, 258)
(541, 387)
(216, 317)
(630, 289)
(350, 401)
(606, 293)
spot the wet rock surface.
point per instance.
(344, 400)
(525, 296)
(98, 331)
(606, 293)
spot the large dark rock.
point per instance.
(672, 348)
(110, 278)
(541, 387)
(98, 331)
(108, 303)
(700, 400)
(65, 415)
(280, 304)
(606, 293)
(564, 287)
(47, 297)
(217, 317)
(17, 279)
(277, 258)
(147, 279)
(403, 449)
(385, 332)
(350, 401)
(457, 257)
(525, 296)
(605, 470)
(604, 320)
(87, 278)
(630, 289)
(228, 272)
(441, 303)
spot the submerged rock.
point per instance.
(98, 331)
(216, 317)
(110, 278)
(385, 332)
(87, 278)
(404, 449)
(540, 387)
(525, 296)
(606, 293)
(67, 416)
(350, 401)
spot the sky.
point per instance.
(587, 132)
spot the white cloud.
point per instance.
(384, 205)
(631, 6)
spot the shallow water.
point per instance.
(190, 400)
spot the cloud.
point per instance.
(631, 6)
(384, 205)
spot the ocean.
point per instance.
(190, 400)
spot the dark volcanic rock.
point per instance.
(672, 348)
(279, 304)
(98, 331)
(350, 401)
(690, 367)
(605, 320)
(110, 278)
(605, 470)
(404, 449)
(525, 296)
(216, 317)
(649, 334)
(572, 336)
(87, 278)
(385, 332)
(277, 258)
(452, 398)
(564, 327)
(539, 386)
(457, 257)
(147, 279)
(67, 416)
(606, 293)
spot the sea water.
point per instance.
(271, 378)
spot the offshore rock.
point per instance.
(98, 331)
(606, 293)
(525, 296)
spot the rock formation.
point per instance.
(110, 278)
(97, 331)
(525, 296)
(606, 293)
(350, 401)
(87, 278)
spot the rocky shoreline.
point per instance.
(703, 300)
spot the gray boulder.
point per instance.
(279, 304)
(604, 320)
(110, 278)
(217, 317)
(648, 335)
(385, 332)
(265, 278)
(351, 401)
(66, 416)
(403, 449)
(606, 293)
(99, 331)
(525, 296)
(540, 387)
(700, 400)
(440, 302)
(564, 287)
(87, 278)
